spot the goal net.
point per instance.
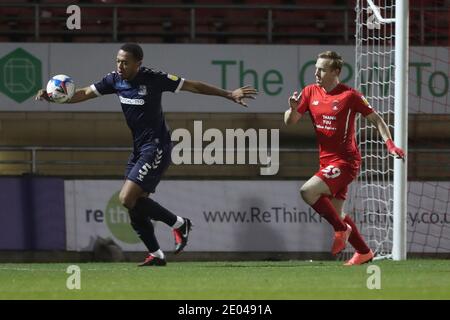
(372, 196)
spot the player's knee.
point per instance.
(305, 192)
(127, 200)
(309, 195)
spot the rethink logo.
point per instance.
(235, 147)
(118, 221)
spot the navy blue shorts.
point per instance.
(146, 167)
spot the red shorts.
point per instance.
(338, 175)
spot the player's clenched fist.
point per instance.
(294, 100)
(393, 149)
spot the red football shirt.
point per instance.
(333, 115)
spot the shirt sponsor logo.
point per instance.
(327, 123)
(172, 77)
(319, 126)
(136, 102)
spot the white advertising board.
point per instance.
(276, 71)
(234, 216)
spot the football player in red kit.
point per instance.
(333, 107)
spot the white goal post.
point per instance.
(382, 35)
(401, 127)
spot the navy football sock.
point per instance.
(144, 229)
(153, 210)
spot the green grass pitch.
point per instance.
(285, 280)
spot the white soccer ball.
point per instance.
(60, 88)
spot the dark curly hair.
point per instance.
(134, 49)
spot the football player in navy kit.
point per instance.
(139, 90)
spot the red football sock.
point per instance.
(355, 239)
(325, 208)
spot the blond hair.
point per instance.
(336, 60)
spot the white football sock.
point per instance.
(158, 254)
(179, 222)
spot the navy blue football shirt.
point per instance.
(141, 102)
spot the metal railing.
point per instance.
(326, 26)
(34, 161)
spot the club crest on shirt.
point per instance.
(315, 103)
(142, 90)
(335, 104)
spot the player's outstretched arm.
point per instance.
(80, 95)
(292, 116)
(383, 129)
(236, 95)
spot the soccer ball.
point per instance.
(60, 88)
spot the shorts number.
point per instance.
(331, 172)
